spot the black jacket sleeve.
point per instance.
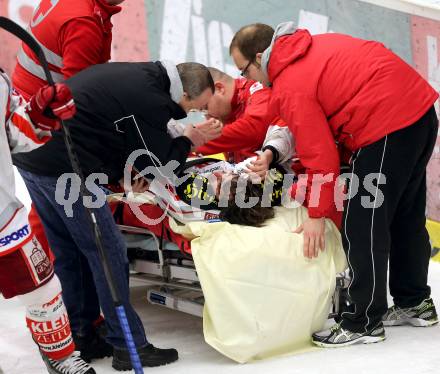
(151, 145)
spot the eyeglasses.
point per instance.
(244, 71)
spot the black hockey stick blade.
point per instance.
(21, 33)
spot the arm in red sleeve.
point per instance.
(81, 44)
(246, 132)
(316, 149)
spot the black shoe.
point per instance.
(149, 356)
(92, 346)
(100, 327)
(74, 364)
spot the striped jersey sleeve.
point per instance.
(23, 135)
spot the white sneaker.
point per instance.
(422, 315)
(337, 336)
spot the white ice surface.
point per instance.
(407, 350)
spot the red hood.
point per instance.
(286, 50)
(108, 9)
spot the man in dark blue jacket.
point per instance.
(121, 108)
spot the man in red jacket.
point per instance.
(339, 94)
(243, 106)
(73, 35)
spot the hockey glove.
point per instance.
(49, 105)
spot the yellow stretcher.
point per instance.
(434, 233)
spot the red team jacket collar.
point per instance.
(237, 98)
(106, 10)
(234, 100)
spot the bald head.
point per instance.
(220, 76)
(252, 39)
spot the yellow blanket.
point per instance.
(262, 297)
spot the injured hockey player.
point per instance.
(244, 251)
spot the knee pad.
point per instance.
(47, 320)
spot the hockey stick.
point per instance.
(22, 34)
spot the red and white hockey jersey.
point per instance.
(17, 242)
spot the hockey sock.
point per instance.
(48, 321)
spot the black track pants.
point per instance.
(387, 221)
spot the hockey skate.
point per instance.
(74, 364)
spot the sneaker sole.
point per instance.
(361, 340)
(416, 322)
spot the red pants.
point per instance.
(29, 266)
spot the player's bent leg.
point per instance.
(27, 272)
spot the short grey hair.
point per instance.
(195, 78)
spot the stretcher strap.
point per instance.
(199, 161)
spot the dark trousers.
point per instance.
(78, 265)
(386, 221)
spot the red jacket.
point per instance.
(334, 89)
(245, 129)
(74, 35)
